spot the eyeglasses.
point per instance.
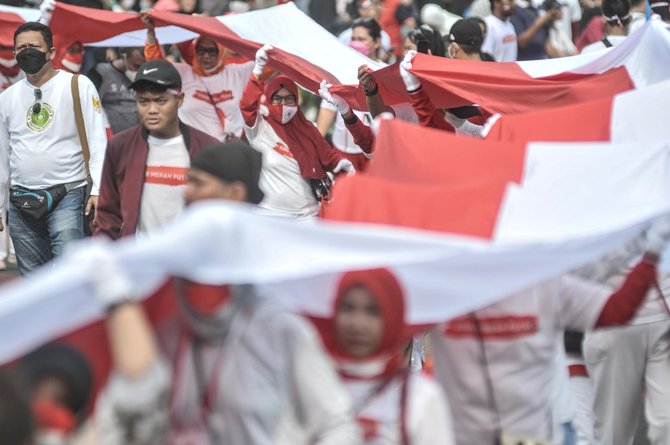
(38, 97)
(212, 51)
(288, 100)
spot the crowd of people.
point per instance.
(115, 143)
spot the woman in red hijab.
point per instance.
(297, 160)
(367, 337)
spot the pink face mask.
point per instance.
(361, 47)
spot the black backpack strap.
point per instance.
(607, 43)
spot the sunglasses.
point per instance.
(38, 97)
(288, 100)
(212, 51)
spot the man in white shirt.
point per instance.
(40, 149)
(144, 174)
(500, 39)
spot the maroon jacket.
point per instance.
(123, 178)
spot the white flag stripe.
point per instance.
(290, 29)
(645, 54)
(27, 14)
(164, 34)
(641, 115)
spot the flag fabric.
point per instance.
(638, 115)
(558, 212)
(308, 53)
(10, 18)
(491, 189)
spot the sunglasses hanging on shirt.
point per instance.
(38, 105)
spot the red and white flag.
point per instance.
(308, 53)
(639, 115)
(556, 212)
(10, 19)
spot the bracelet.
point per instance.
(373, 92)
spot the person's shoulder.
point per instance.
(122, 138)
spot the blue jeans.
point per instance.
(569, 434)
(38, 241)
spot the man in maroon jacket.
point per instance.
(145, 168)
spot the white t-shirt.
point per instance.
(500, 39)
(572, 12)
(521, 336)
(428, 418)
(225, 89)
(342, 138)
(42, 150)
(164, 183)
(597, 46)
(287, 193)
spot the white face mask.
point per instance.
(130, 75)
(288, 112)
(73, 67)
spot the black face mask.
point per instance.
(31, 60)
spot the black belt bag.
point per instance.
(36, 204)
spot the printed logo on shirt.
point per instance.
(282, 150)
(96, 104)
(505, 327)
(509, 38)
(218, 98)
(42, 120)
(170, 176)
(369, 427)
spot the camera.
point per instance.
(321, 187)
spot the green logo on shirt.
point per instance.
(40, 121)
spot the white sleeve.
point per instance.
(4, 164)
(94, 122)
(138, 406)
(464, 126)
(489, 42)
(579, 303)
(429, 417)
(575, 10)
(323, 400)
(405, 112)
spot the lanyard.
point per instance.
(207, 387)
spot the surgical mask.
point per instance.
(283, 113)
(72, 62)
(31, 60)
(361, 47)
(130, 74)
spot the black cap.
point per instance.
(231, 162)
(158, 72)
(465, 32)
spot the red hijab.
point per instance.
(308, 147)
(388, 293)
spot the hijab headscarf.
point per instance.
(306, 144)
(221, 58)
(389, 357)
